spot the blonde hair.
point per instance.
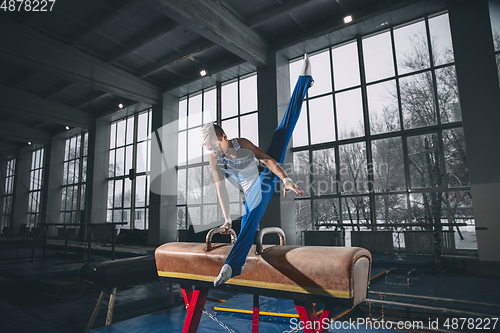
(208, 131)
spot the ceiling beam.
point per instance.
(23, 79)
(30, 19)
(58, 89)
(216, 24)
(9, 148)
(226, 6)
(35, 51)
(68, 17)
(108, 37)
(341, 5)
(37, 125)
(136, 43)
(101, 4)
(119, 8)
(300, 24)
(95, 96)
(336, 23)
(278, 11)
(213, 71)
(173, 59)
(28, 105)
(13, 131)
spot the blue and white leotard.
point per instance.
(242, 171)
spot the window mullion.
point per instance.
(80, 174)
(133, 179)
(368, 140)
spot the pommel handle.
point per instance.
(261, 233)
(218, 231)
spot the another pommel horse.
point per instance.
(334, 276)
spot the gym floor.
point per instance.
(48, 296)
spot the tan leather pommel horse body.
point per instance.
(334, 276)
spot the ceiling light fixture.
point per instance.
(348, 19)
(29, 143)
(67, 127)
(120, 106)
(203, 72)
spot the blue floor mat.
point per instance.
(37, 270)
(404, 262)
(271, 309)
(173, 320)
(450, 287)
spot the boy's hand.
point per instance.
(292, 186)
(226, 226)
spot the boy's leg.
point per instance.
(258, 197)
(283, 132)
(255, 206)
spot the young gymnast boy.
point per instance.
(235, 160)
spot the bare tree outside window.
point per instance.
(415, 170)
(129, 165)
(197, 201)
(8, 194)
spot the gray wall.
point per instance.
(480, 103)
(98, 160)
(273, 89)
(3, 173)
(53, 181)
(163, 191)
(21, 190)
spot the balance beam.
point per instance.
(109, 275)
(17, 243)
(334, 276)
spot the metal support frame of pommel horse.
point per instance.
(195, 299)
(276, 271)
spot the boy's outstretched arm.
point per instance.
(274, 166)
(221, 190)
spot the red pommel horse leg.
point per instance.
(255, 317)
(309, 318)
(195, 302)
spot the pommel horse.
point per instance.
(334, 276)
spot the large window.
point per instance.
(74, 178)
(35, 191)
(494, 8)
(380, 142)
(129, 163)
(197, 201)
(8, 195)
